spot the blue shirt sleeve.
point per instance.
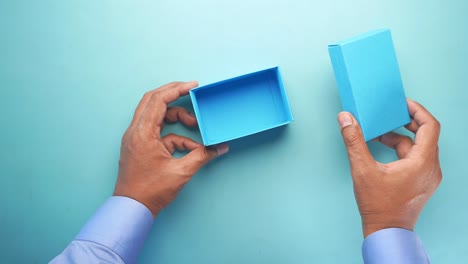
(114, 234)
(394, 245)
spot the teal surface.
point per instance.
(72, 73)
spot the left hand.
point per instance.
(147, 171)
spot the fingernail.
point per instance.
(222, 149)
(345, 119)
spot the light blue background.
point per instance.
(72, 72)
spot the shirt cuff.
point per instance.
(394, 245)
(120, 224)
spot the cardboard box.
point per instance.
(369, 82)
(241, 106)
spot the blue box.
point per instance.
(241, 106)
(369, 82)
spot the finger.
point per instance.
(176, 113)
(152, 117)
(201, 155)
(175, 142)
(402, 144)
(427, 135)
(143, 102)
(412, 126)
(172, 85)
(358, 153)
(140, 108)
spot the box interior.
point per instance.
(241, 106)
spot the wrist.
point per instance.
(153, 209)
(369, 227)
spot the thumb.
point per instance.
(358, 153)
(201, 155)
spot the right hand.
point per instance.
(394, 194)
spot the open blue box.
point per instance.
(241, 106)
(369, 82)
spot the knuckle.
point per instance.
(177, 83)
(171, 114)
(156, 96)
(171, 136)
(130, 138)
(407, 139)
(200, 157)
(148, 94)
(124, 138)
(437, 125)
(436, 179)
(179, 109)
(170, 110)
(440, 176)
(133, 139)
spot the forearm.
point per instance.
(117, 230)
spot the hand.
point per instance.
(147, 171)
(393, 194)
